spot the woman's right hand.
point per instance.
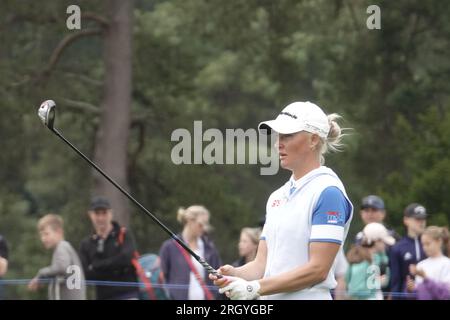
(226, 270)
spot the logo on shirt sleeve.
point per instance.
(333, 217)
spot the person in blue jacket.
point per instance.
(408, 250)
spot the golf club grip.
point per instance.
(205, 265)
(208, 268)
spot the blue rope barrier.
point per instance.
(11, 282)
(104, 283)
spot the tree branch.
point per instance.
(95, 17)
(64, 43)
(137, 121)
(81, 106)
(84, 78)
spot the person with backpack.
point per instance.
(186, 279)
(107, 254)
(151, 275)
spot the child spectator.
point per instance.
(248, 245)
(432, 275)
(407, 250)
(64, 256)
(368, 271)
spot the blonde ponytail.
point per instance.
(333, 142)
(181, 216)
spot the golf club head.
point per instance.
(47, 113)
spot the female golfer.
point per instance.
(307, 219)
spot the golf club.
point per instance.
(47, 113)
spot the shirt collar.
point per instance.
(295, 185)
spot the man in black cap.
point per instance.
(373, 210)
(408, 250)
(106, 254)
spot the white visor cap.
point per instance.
(296, 117)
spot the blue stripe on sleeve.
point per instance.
(326, 240)
(332, 208)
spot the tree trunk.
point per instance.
(111, 146)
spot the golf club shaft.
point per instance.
(210, 269)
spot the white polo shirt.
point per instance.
(314, 208)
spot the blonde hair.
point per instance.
(192, 212)
(51, 220)
(333, 142)
(438, 233)
(253, 233)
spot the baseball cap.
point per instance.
(376, 231)
(99, 202)
(298, 116)
(415, 210)
(372, 201)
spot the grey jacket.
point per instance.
(67, 281)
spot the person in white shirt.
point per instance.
(307, 219)
(339, 272)
(432, 275)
